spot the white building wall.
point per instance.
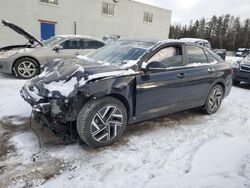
(127, 20)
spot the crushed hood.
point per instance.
(22, 32)
(63, 78)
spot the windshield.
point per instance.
(53, 41)
(121, 52)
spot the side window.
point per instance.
(210, 58)
(92, 44)
(196, 55)
(170, 56)
(72, 44)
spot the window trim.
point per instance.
(109, 15)
(147, 20)
(165, 46)
(187, 59)
(49, 4)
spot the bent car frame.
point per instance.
(127, 82)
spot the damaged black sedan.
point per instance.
(127, 82)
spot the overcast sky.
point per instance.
(185, 10)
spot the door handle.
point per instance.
(181, 75)
(210, 70)
(77, 53)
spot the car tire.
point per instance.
(214, 100)
(236, 82)
(101, 122)
(26, 68)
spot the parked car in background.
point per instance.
(127, 82)
(242, 70)
(25, 60)
(221, 52)
(242, 52)
(110, 38)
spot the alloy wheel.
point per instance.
(215, 99)
(106, 124)
(26, 69)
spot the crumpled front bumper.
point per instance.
(31, 96)
(48, 111)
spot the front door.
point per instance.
(162, 91)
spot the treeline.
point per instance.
(225, 31)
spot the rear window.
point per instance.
(196, 55)
(72, 44)
(92, 44)
(210, 58)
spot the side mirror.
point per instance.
(58, 48)
(154, 65)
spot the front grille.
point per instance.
(245, 68)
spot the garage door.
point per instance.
(47, 30)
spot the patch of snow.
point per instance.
(110, 74)
(219, 162)
(144, 65)
(11, 103)
(83, 57)
(130, 63)
(33, 94)
(64, 87)
(26, 145)
(241, 49)
(233, 59)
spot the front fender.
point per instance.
(123, 88)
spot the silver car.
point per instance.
(25, 60)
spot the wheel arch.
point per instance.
(124, 101)
(222, 84)
(33, 58)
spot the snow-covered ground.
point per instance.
(233, 59)
(187, 149)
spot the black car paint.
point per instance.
(146, 94)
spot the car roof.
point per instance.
(194, 40)
(80, 36)
(156, 43)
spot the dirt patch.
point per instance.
(14, 170)
(31, 175)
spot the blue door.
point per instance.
(47, 30)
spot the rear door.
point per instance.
(162, 91)
(201, 75)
